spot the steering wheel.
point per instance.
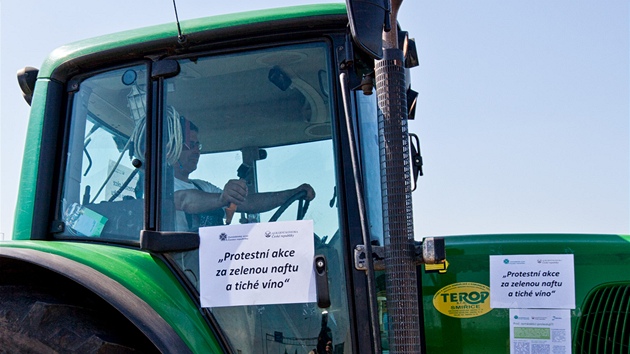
(302, 206)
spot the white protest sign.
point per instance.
(540, 331)
(255, 264)
(532, 281)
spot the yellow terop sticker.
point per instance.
(463, 300)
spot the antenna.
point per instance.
(180, 37)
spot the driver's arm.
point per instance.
(194, 201)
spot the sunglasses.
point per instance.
(193, 145)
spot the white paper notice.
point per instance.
(540, 331)
(532, 281)
(255, 264)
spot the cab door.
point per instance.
(265, 117)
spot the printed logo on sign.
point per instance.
(508, 261)
(463, 300)
(549, 261)
(280, 234)
(225, 237)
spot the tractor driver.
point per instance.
(200, 203)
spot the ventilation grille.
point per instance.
(604, 327)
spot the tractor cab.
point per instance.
(270, 109)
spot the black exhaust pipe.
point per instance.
(401, 286)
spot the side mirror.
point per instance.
(27, 77)
(368, 19)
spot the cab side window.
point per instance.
(102, 189)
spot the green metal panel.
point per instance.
(28, 180)
(144, 275)
(599, 260)
(604, 326)
(165, 31)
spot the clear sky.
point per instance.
(523, 112)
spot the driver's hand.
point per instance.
(310, 192)
(234, 191)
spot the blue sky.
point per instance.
(523, 112)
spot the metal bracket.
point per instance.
(345, 55)
(165, 68)
(57, 226)
(430, 251)
(360, 257)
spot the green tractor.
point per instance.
(242, 184)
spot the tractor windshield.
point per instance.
(260, 119)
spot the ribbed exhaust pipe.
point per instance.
(401, 285)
